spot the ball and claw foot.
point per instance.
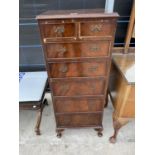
(99, 131)
(117, 124)
(38, 132)
(112, 140)
(59, 135)
(100, 134)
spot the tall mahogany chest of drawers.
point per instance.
(77, 48)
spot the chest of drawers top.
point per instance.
(80, 13)
(77, 25)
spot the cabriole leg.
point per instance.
(117, 124)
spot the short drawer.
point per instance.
(77, 120)
(96, 29)
(58, 31)
(78, 49)
(76, 104)
(78, 68)
(78, 86)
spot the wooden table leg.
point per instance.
(39, 116)
(117, 124)
(106, 99)
(45, 102)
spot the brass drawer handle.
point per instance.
(59, 30)
(92, 68)
(94, 48)
(61, 50)
(63, 68)
(96, 28)
(65, 87)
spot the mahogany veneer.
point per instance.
(77, 48)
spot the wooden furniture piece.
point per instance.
(32, 87)
(77, 48)
(123, 94)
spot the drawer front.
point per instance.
(96, 29)
(77, 120)
(78, 69)
(69, 105)
(76, 87)
(57, 31)
(74, 50)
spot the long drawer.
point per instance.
(79, 120)
(78, 86)
(78, 104)
(85, 68)
(78, 49)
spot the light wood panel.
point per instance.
(130, 29)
